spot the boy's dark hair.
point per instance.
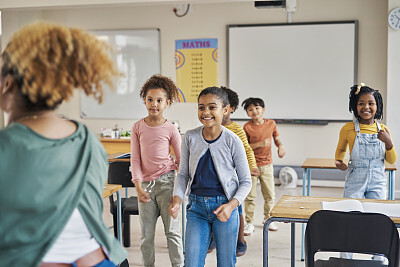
(358, 90)
(253, 101)
(220, 93)
(158, 81)
(233, 97)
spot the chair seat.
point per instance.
(341, 262)
(129, 205)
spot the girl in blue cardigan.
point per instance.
(215, 173)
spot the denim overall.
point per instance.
(366, 171)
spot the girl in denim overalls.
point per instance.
(370, 145)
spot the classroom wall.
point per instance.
(393, 90)
(209, 21)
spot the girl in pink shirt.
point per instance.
(153, 168)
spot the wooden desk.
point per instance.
(298, 209)
(116, 145)
(108, 190)
(111, 157)
(316, 163)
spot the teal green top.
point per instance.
(41, 182)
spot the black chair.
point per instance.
(119, 173)
(367, 233)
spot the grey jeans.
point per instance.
(160, 196)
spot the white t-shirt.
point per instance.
(74, 242)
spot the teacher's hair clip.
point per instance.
(359, 88)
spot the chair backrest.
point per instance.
(119, 173)
(356, 232)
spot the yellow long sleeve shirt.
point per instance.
(347, 136)
(238, 130)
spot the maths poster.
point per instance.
(196, 67)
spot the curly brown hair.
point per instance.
(160, 82)
(49, 61)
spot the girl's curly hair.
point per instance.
(158, 81)
(49, 61)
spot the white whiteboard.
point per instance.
(138, 56)
(300, 70)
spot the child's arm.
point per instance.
(265, 142)
(385, 136)
(242, 171)
(341, 150)
(239, 131)
(176, 142)
(181, 179)
(281, 150)
(136, 166)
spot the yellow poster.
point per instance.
(196, 67)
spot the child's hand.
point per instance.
(384, 136)
(174, 206)
(281, 151)
(224, 211)
(255, 172)
(143, 196)
(341, 165)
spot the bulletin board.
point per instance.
(302, 71)
(138, 56)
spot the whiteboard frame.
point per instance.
(295, 120)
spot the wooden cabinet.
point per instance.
(116, 145)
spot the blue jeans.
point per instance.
(104, 263)
(201, 222)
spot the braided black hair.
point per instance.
(354, 96)
(218, 92)
(233, 97)
(253, 101)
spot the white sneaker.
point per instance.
(248, 229)
(273, 227)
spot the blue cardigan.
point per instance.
(229, 158)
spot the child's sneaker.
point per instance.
(273, 227)
(212, 245)
(248, 229)
(241, 248)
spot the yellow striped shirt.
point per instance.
(238, 130)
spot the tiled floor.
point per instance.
(279, 251)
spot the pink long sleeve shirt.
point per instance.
(151, 150)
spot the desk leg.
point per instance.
(293, 244)
(308, 182)
(304, 180)
(265, 243)
(391, 185)
(183, 224)
(119, 217)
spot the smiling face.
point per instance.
(255, 113)
(156, 101)
(366, 108)
(211, 111)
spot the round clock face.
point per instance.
(394, 18)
